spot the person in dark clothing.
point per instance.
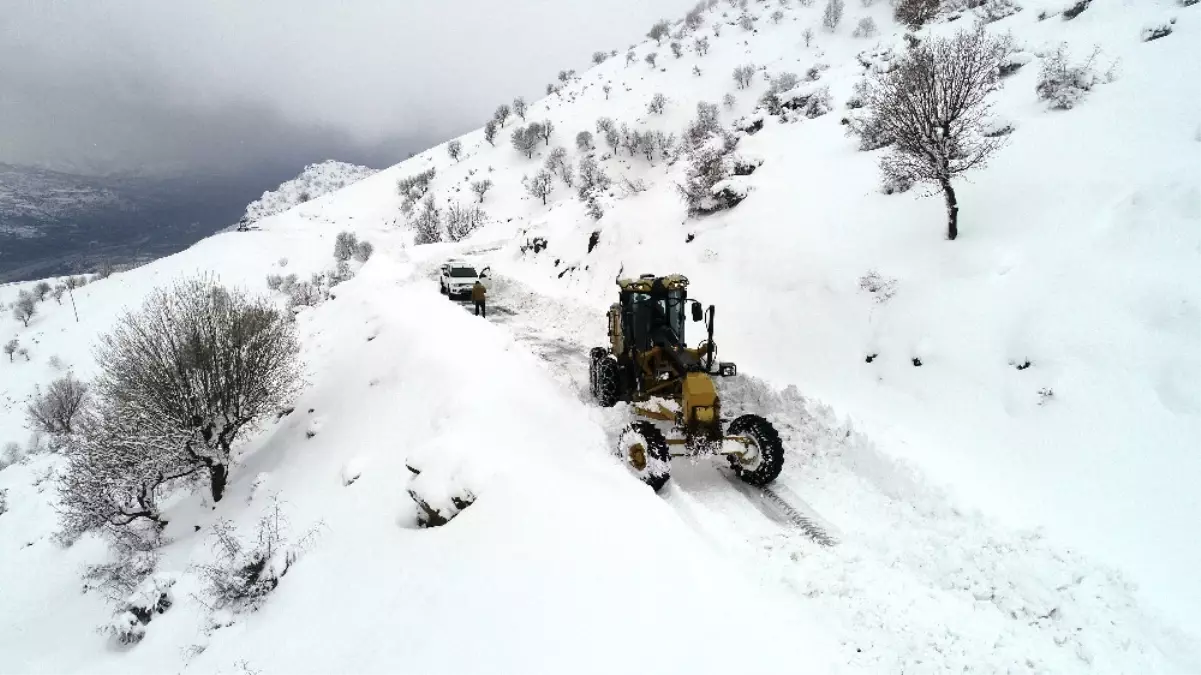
(478, 292)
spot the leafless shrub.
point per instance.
(915, 13)
(599, 57)
(490, 132)
(11, 348)
(650, 59)
(461, 220)
(481, 187)
(558, 165)
(525, 140)
(1064, 84)
(866, 28)
(344, 245)
(363, 251)
(934, 105)
(540, 185)
(583, 141)
(657, 104)
(832, 14)
(454, 149)
(244, 573)
(701, 45)
(274, 281)
(25, 308)
(729, 101)
(777, 16)
(55, 411)
(659, 31)
(501, 114)
(428, 222)
(592, 178)
(743, 75)
(808, 36)
(519, 107)
(414, 188)
(746, 22)
(41, 290)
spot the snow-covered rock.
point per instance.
(315, 181)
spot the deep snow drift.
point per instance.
(988, 517)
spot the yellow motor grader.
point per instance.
(649, 365)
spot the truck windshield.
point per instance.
(463, 272)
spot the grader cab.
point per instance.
(649, 365)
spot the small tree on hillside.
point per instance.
(866, 28)
(10, 348)
(461, 221)
(933, 105)
(54, 411)
(592, 178)
(660, 30)
(540, 185)
(599, 57)
(676, 50)
(544, 130)
(344, 246)
(525, 140)
(657, 104)
(631, 57)
(743, 75)
(651, 58)
(208, 363)
(701, 45)
(490, 132)
(501, 114)
(57, 293)
(455, 149)
(25, 307)
(428, 222)
(481, 187)
(915, 13)
(41, 290)
(519, 107)
(832, 15)
(583, 141)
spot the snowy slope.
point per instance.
(976, 529)
(316, 180)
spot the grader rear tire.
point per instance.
(644, 450)
(768, 461)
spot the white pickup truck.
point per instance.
(458, 276)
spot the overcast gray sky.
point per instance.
(127, 84)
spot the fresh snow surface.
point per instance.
(315, 181)
(979, 525)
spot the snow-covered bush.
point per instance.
(461, 220)
(866, 28)
(1158, 30)
(304, 294)
(882, 288)
(599, 57)
(808, 36)
(746, 22)
(519, 107)
(657, 104)
(770, 100)
(180, 380)
(631, 57)
(428, 222)
(481, 187)
(55, 411)
(729, 101)
(743, 75)
(1013, 63)
(995, 10)
(490, 132)
(25, 308)
(540, 185)
(695, 18)
(709, 149)
(11, 348)
(57, 293)
(701, 45)
(915, 13)
(1064, 84)
(414, 188)
(832, 14)
(285, 285)
(676, 50)
(777, 16)
(344, 245)
(660, 30)
(501, 114)
(244, 573)
(583, 141)
(454, 149)
(872, 134)
(525, 139)
(149, 598)
(607, 89)
(558, 165)
(651, 58)
(363, 251)
(1075, 9)
(274, 281)
(592, 178)
(40, 290)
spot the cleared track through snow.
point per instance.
(910, 582)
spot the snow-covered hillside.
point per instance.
(316, 180)
(1022, 501)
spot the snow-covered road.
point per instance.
(913, 584)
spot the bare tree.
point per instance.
(25, 307)
(428, 222)
(631, 57)
(657, 104)
(525, 140)
(743, 75)
(729, 101)
(607, 88)
(659, 31)
(502, 113)
(207, 363)
(41, 290)
(544, 130)
(651, 58)
(558, 165)
(832, 15)
(57, 293)
(695, 17)
(746, 22)
(583, 140)
(592, 178)
(777, 16)
(344, 245)
(519, 107)
(461, 221)
(490, 132)
(540, 185)
(10, 348)
(676, 50)
(604, 124)
(455, 149)
(599, 57)
(54, 411)
(701, 45)
(933, 105)
(808, 35)
(612, 138)
(481, 187)
(363, 251)
(866, 28)
(915, 13)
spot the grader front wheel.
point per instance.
(764, 458)
(644, 451)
